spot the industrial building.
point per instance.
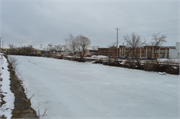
(144, 51)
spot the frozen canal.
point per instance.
(73, 89)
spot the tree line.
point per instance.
(23, 50)
(79, 44)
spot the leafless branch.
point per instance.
(134, 42)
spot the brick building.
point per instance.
(108, 51)
(144, 51)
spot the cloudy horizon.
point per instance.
(35, 23)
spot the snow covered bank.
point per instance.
(172, 61)
(72, 89)
(6, 108)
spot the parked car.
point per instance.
(88, 55)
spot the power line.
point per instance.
(152, 25)
(165, 34)
(157, 23)
(106, 35)
(100, 38)
(107, 38)
(111, 33)
(103, 37)
(99, 33)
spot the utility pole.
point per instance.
(2, 43)
(40, 46)
(66, 47)
(50, 45)
(117, 43)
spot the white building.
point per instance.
(175, 53)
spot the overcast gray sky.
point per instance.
(38, 22)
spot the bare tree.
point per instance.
(59, 48)
(49, 48)
(12, 47)
(78, 44)
(29, 49)
(156, 42)
(112, 52)
(71, 44)
(81, 44)
(134, 42)
(26, 50)
(94, 47)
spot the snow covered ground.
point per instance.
(169, 60)
(69, 89)
(6, 109)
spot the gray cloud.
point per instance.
(38, 23)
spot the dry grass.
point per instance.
(42, 116)
(14, 62)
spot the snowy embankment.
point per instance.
(171, 61)
(72, 89)
(6, 109)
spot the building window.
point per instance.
(163, 51)
(156, 51)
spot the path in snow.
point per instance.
(73, 89)
(6, 109)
